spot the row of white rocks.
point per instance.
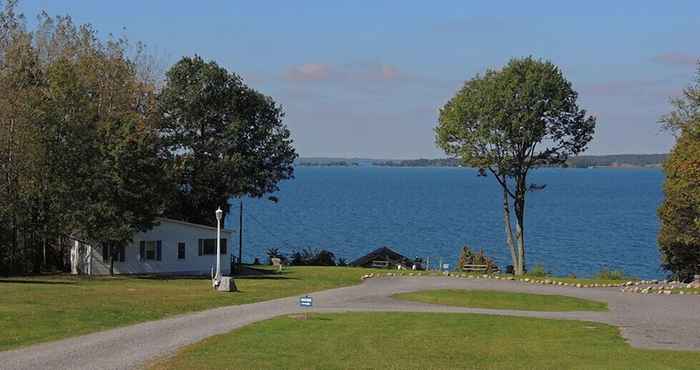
(639, 286)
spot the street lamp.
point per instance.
(217, 277)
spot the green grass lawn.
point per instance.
(503, 300)
(687, 290)
(40, 309)
(422, 341)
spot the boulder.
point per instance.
(226, 284)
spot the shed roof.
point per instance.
(381, 252)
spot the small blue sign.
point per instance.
(306, 301)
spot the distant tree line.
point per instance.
(440, 162)
(94, 146)
(335, 163)
(617, 160)
(582, 161)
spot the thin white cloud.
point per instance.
(676, 59)
(311, 72)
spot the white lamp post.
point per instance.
(219, 213)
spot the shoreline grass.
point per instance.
(564, 279)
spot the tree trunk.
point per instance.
(509, 229)
(519, 222)
(520, 240)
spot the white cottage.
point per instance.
(172, 247)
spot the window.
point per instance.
(150, 250)
(208, 247)
(181, 251)
(119, 253)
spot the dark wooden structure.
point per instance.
(383, 257)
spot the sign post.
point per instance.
(306, 302)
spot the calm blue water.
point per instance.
(583, 220)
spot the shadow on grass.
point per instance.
(40, 282)
(171, 277)
(274, 276)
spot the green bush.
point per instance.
(607, 274)
(313, 257)
(538, 271)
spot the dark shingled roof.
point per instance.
(381, 254)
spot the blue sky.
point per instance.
(366, 78)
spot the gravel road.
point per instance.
(646, 321)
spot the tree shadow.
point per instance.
(264, 277)
(38, 282)
(268, 276)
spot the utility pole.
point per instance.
(240, 237)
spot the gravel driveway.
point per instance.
(647, 321)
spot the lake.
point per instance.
(583, 220)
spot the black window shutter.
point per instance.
(122, 253)
(223, 247)
(142, 250)
(105, 253)
(201, 247)
(158, 250)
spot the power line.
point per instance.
(284, 241)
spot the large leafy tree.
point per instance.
(80, 154)
(21, 153)
(510, 121)
(104, 144)
(225, 139)
(679, 236)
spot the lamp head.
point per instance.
(219, 213)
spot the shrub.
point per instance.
(607, 274)
(538, 271)
(468, 257)
(313, 257)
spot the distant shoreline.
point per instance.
(588, 161)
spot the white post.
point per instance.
(75, 258)
(217, 277)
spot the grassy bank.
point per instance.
(47, 308)
(563, 279)
(503, 300)
(423, 341)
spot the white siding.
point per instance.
(169, 232)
